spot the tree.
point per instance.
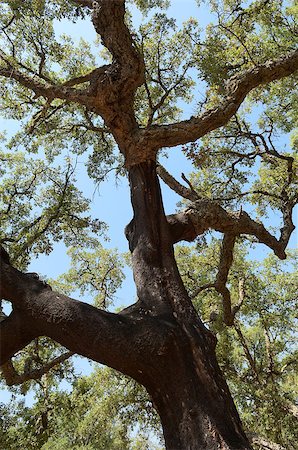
(99, 413)
(66, 98)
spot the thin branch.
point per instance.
(270, 360)
(92, 126)
(159, 104)
(12, 377)
(177, 187)
(8, 23)
(201, 289)
(238, 39)
(184, 178)
(246, 350)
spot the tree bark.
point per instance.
(183, 378)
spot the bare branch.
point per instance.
(206, 214)
(177, 187)
(237, 88)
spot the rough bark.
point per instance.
(206, 214)
(112, 339)
(188, 389)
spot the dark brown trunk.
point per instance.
(183, 378)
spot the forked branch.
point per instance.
(237, 88)
(13, 377)
(40, 87)
(206, 214)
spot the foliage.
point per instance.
(41, 205)
(103, 411)
(97, 274)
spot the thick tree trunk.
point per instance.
(183, 378)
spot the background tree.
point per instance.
(67, 101)
(103, 411)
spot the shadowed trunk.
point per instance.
(183, 379)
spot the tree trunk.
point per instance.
(183, 378)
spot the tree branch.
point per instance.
(206, 214)
(246, 350)
(263, 443)
(12, 377)
(225, 263)
(177, 187)
(109, 23)
(14, 332)
(111, 339)
(85, 78)
(43, 88)
(237, 88)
